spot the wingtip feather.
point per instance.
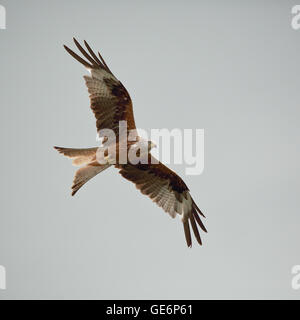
(187, 233)
(195, 229)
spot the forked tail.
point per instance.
(85, 157)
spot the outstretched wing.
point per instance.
(169, 191)
(110, 101)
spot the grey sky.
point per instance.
(231, 68)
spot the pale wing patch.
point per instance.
(186, 206)
(97, 88)
(161, 193)
(96, 84)
(168, 193)
(166, 199)
(100, 74)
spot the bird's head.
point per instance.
(151, 145)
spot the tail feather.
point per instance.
(84, 174)
(79, 156)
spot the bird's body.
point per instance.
(112, 106)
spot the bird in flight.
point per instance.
(111, 104)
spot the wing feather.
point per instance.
(110, 101)
(168, 191)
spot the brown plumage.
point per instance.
(168, 191)
(110, 101)
(111, 104)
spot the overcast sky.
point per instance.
(231, 68)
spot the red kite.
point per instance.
(111, 104)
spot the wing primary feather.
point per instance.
(195, 229)
(187, 233)
(78, 58)
(92, 53)
(93, 62)
(196, 207)
(104, 63)
(201, 225)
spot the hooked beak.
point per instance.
(153, 145)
